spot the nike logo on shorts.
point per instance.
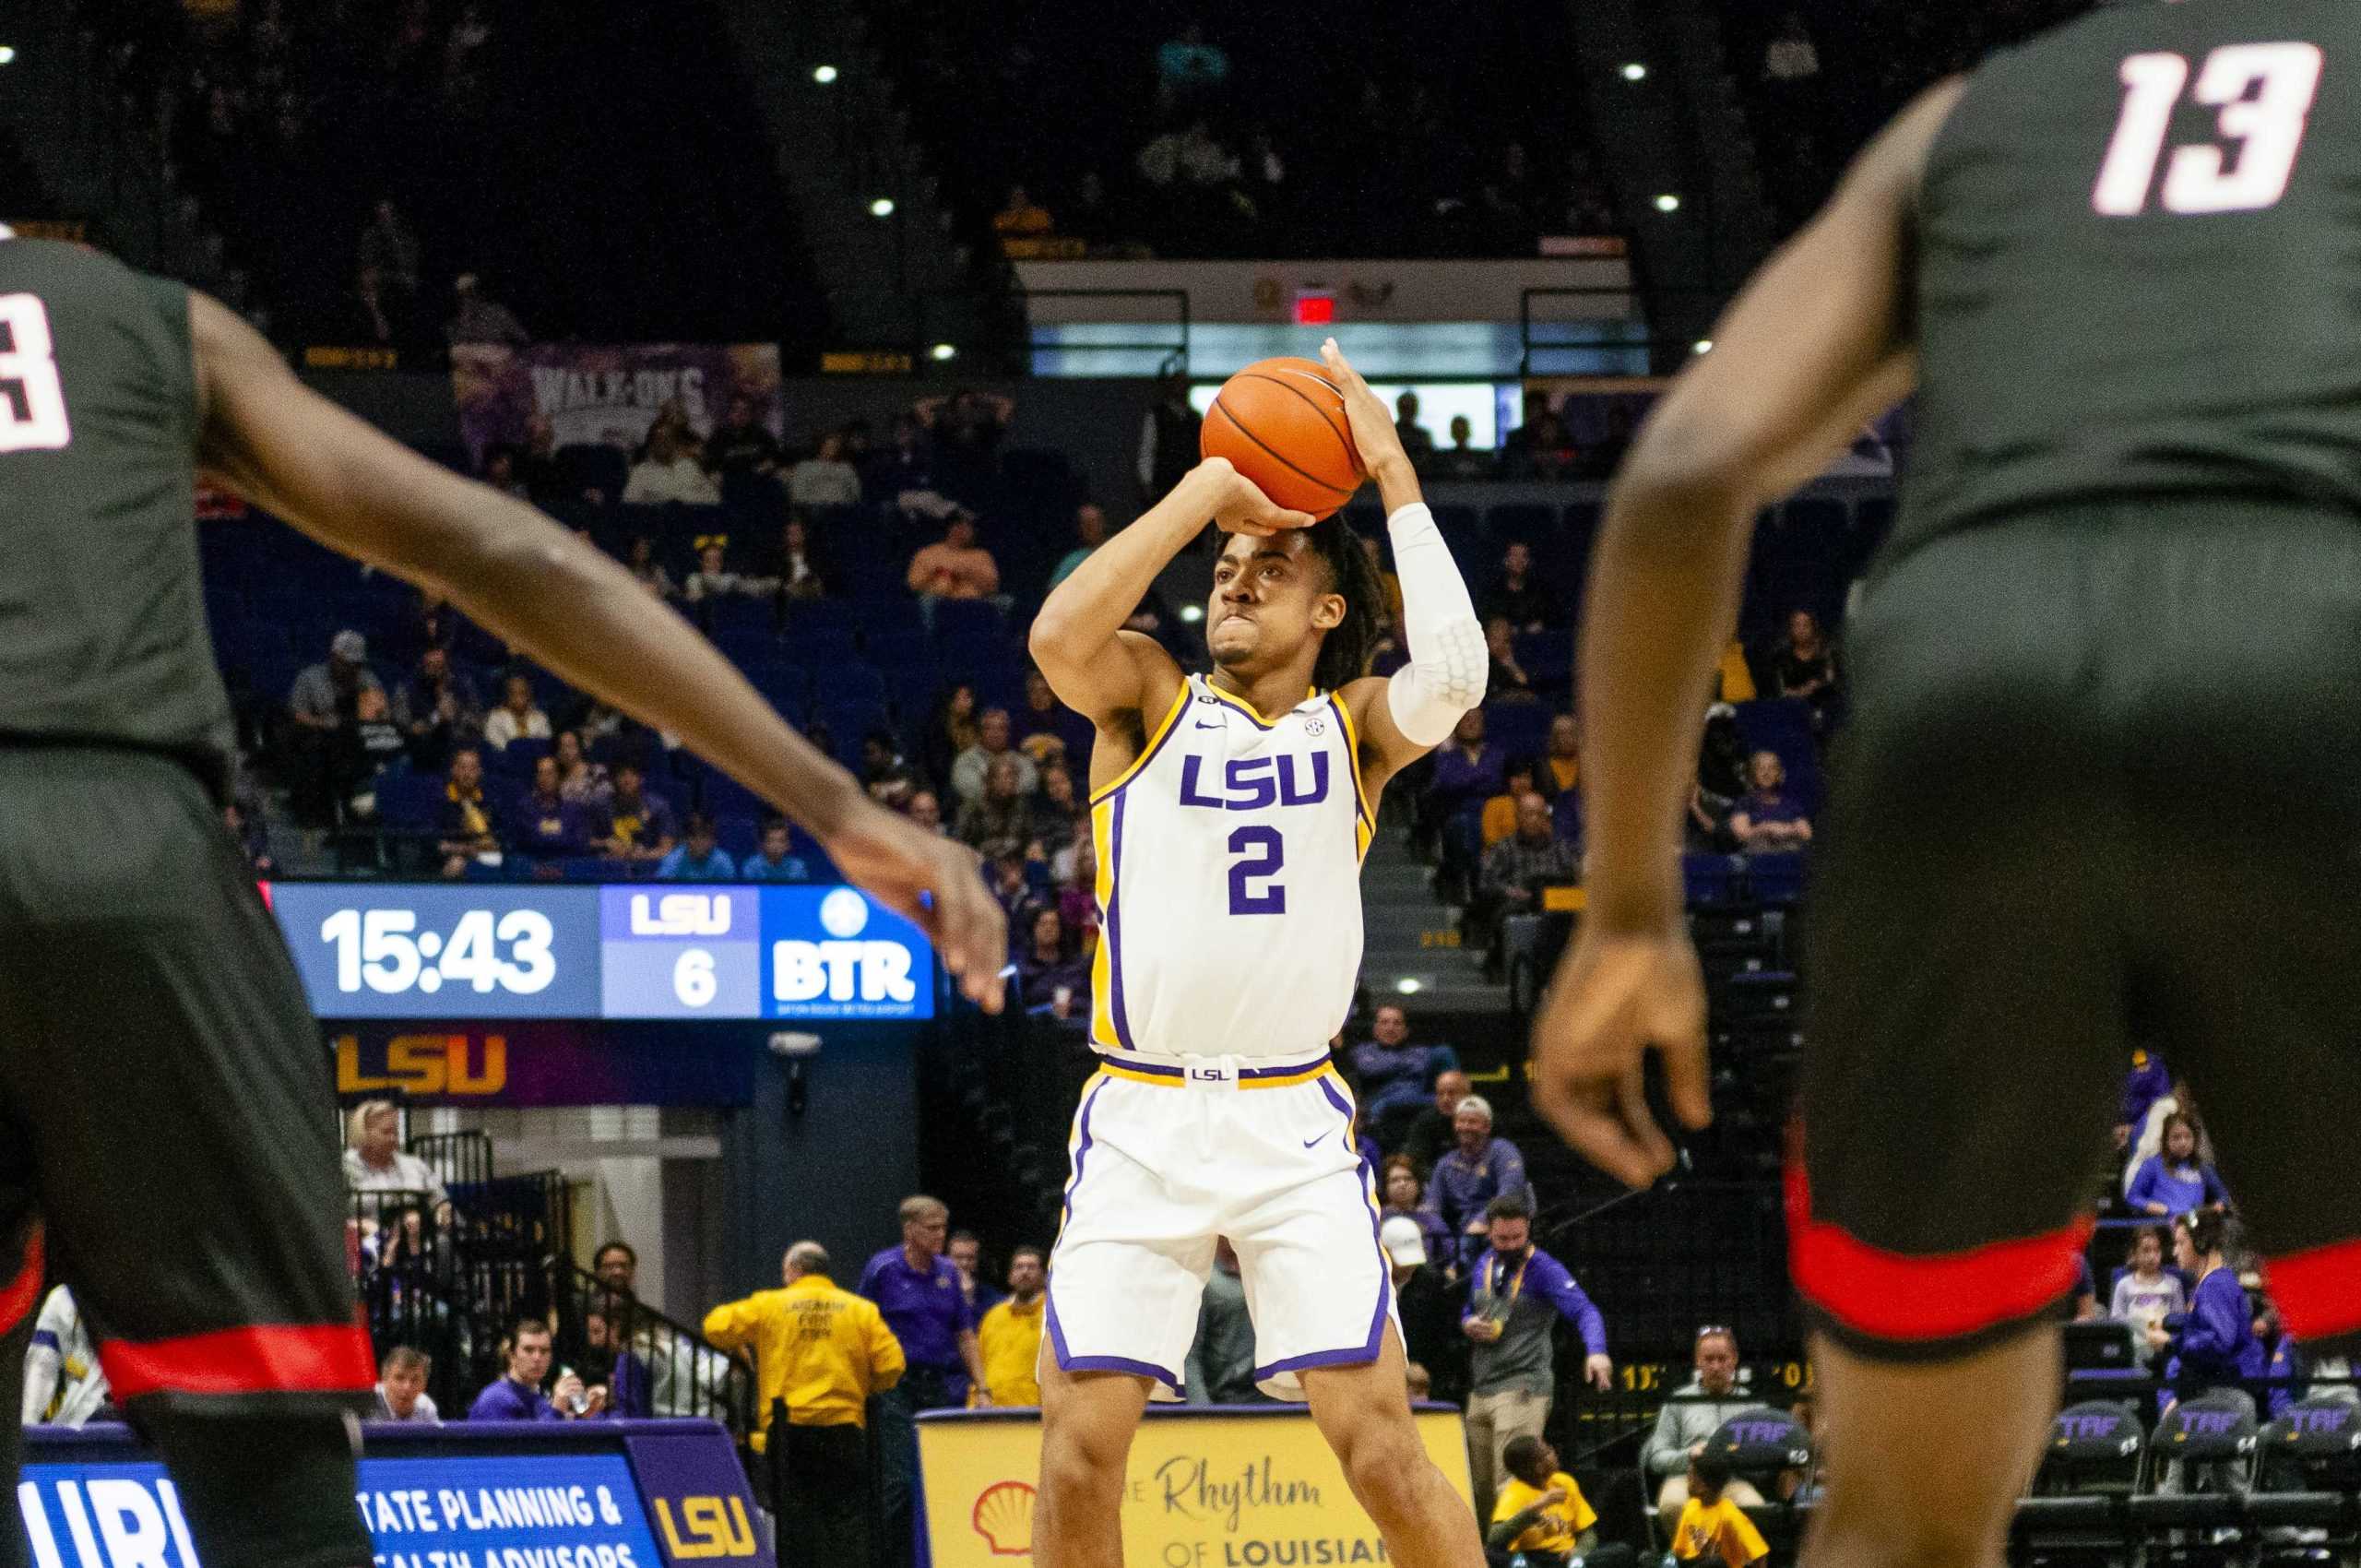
(1309, 1142)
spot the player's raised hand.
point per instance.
(1616, 996)
(1376, 444)
(936, 882)
(1239, 505)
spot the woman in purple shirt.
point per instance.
(2175, 1181)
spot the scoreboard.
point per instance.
(640, 950)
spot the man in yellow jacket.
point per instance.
(820, 1352)
(1011, 1334)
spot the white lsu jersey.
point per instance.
(1229, 881)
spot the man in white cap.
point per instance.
(1478, 1169)
(321, 702)
(1423, 1297)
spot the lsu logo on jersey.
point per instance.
(1254, 783)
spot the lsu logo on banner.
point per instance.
(708, 1527)
(423, 1064)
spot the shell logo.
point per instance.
(1003, 1516)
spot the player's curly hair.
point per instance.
(1345, 651)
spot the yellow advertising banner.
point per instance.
(1226, 1489)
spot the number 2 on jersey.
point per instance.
(32, 401)
(1262, 852)
(2264, 94)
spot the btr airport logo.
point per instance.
(850, 972)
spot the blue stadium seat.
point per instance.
(842, 684)
(966, 625)
(912, 691)
(824, 617)
(819, 653)
(1710, 882)
(1528, 520)
(411, 802)
(899, 650)
(1777, 880)
(1546, 657)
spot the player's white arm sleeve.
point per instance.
(1448, 661)
(43, 1365)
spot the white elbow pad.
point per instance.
(1449, 662)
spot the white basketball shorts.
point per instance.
(1170, 1153)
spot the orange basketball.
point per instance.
(1281, 424)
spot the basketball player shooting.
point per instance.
(1230, 812)
(2065, 820)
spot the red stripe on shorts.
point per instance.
(18, 1296)
(262, 1359)
(2319, 1290)
(1895, 1296)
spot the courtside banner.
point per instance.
(606, 394)
(593, 1495)
(1248, 1487)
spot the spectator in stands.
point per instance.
(917, 1290)
(2145, 1295)
(1478, 1168)
(905, 467)
(821, 1354)
(1806, 666)
(969, 772)
(1049, 976)
(1397, 1186)
(1188, 67)
(2150, 1137)
(1734, 677)
(1790, 59)
(1000, 821)
(1427, 1305)
(2207, 1343)
(772, 860)
(886, 773)
(926, 811)
(650, 572)
(372, 743)
(1188, 158)
(609, 1364)
(1519, 867)
(374, 1160)
(1562, 764)
(323, 700)
(1468, 771)
(480, 318)
(1392, 1075)
(1048, 731)
(955, 567)
(1509, 682)
(825, 479)
(500, 470)
(1461, 460)
(714, 579)
(1516, 596)
(1221, 1365)
(802, 573)
(1436, 1130)
(1692, 1415)
(1169, 434)
(965, 430)
(2173, 1180)
(640, 825)
(1010, 1336)
(401, 1388)
(1769, 818)
(1060, 815)
(2148, 1082)
(1712, 1524)
(1022, 218)
(517, 717)
(1516, 1294)
(517, 1397)
(2275, 1356)
(1417, 439)
(470, 829)
(951, 730)
(966, 1254)
(579, 780)
(742, 445)
(1541, 1513)
(550, 826)
(64, 1384)
(375, 315)
(699, 856)
(1090, 527)
(669, 471)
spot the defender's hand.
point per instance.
(896, 861)
(1376, 444)
(1615, 997)
(1239, 505)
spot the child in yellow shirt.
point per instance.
(1711, 1524)
(1540, 1510)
